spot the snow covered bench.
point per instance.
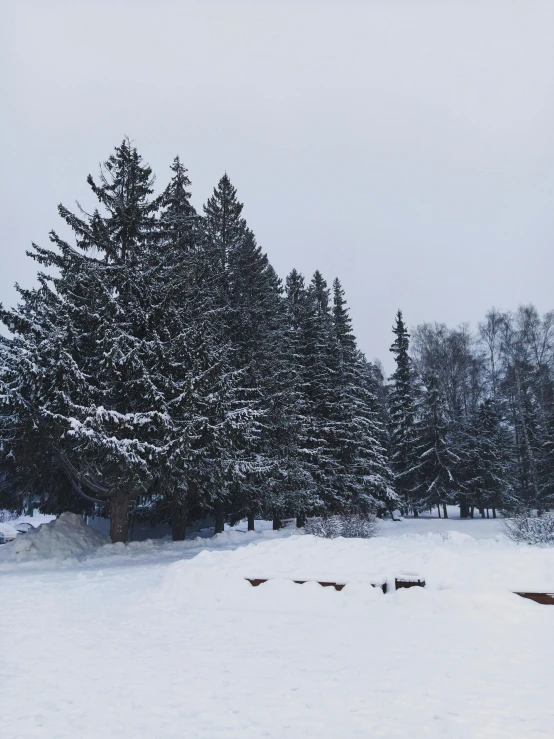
(408, 581)
(545, 599)
(405, 581)
(255, 581)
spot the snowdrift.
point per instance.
(454, 563)
(65, 537)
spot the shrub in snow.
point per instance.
(353, 526)
(531, 529)
(327, 528)
(358, 527)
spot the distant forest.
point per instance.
(161, 365)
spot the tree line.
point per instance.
(161, 358)
(471, 418)
(160, 361)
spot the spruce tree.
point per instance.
(212, 417)
(434, 460)
(98, 404)
(401, 415)
(259, 336)
(487, 467)
(178, 223)
(176, 311)
(28, 466)
(319, 378)
(303, 497)
(246, 299)
(363, 476)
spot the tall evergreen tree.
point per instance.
(179, 310)
(486, 468)
(259, 335)
(318, 382)
(214, 419)
(363, 474)
(304, 497)
(435, 460)
(28, 467)
(98, 404)
(401, 415)
(246, 297)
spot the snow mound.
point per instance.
(456, 563)
(64, 537)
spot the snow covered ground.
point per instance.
(169, 640)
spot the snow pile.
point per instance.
(64, 537)
(205, 582)
(453, 561)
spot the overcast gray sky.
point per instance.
(406, 146)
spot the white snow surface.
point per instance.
(169, 640)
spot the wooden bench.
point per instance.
(408, 582)
(324, 584)
(545, 599)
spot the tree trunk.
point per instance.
(494, 512)
(276, 524)
(488, 516)
(119, 518)
(250, 522)
(300, 521)
(464, 509)
(219, 515)
(439, 510)
(178, 521)
(444, 510)
(471, 511)
(482, 511)
(416, 513)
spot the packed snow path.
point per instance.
(144, 646)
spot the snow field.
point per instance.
(135, 645)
